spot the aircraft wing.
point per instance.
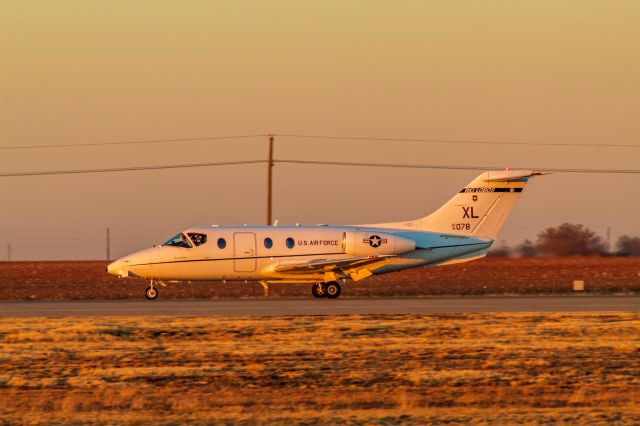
(329, 265)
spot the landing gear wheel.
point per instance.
(333, 290)
(318, 290)
(151, 293)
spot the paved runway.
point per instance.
(262, 307)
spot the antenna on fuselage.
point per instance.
(275, 222)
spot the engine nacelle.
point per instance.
(374, 243)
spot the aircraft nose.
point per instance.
(115, 268)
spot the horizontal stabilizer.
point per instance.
(511, 175)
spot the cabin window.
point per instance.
(178, 240)
(268, 242)
(222, 243)
(290, 242)
(197, 239)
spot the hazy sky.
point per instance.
(89, 72)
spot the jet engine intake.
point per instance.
(375, 243)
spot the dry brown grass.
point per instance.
(405, 369)
(88, 280)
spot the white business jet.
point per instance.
(324, 256)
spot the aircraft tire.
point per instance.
(151, 293)
(332, 290)
(319, 290)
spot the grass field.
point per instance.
(88, 280)
(453, 369)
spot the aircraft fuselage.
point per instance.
(263, 253)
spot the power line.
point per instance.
(316, 162)
(325, 137)
(135, 142)
(456, 141)
(387, 165)
(453, 167)
(129, 169)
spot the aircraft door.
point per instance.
(244, 251)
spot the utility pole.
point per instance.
(8, 252)
(269, 180)
(108, 244)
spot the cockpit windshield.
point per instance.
(178, 240)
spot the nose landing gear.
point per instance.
(151, 292)
(331, 290)
(318, 290)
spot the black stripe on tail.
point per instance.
(488, 190)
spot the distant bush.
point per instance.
(628, 246)
(569, 240)
(500, 251)
(527, 249)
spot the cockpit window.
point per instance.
(197, 239)
(178, 240)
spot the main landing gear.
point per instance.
(151, 292)
(331, 290)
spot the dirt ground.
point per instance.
(334, 370)
(88, 280)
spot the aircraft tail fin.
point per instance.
(481, 207)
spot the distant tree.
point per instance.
(568, 240)
(628, 246)
(527, 249)
(500, 251)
